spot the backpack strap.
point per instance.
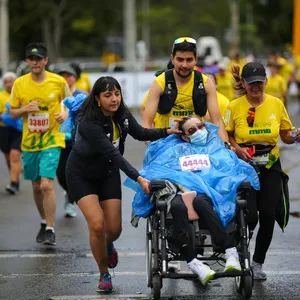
(168, 97)
(199, 95)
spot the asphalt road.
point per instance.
(30, 271)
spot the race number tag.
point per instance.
(116, 143)
(194, 162)
(260, 160)
(38, 122)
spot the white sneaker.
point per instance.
(174, 266)
(70, 209)
(258, 272)
(232, 260)
(204, 272)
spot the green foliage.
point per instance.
(84, 26)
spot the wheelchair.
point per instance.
(160, 249)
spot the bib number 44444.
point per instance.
(194, 162)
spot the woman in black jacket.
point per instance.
(93, 166)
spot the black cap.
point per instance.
(36, 49)
(254, 71)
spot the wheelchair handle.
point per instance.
(156, 184)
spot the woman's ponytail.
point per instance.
(237, 81)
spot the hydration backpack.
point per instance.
(168, 98)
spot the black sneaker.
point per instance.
(12, 189)
(41, 234)
(49, 238)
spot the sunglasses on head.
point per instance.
(196, 127)
(184, 39)
(251, 116)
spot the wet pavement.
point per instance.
(30, 271)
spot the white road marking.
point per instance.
(73, 274)
(84, 274)
(103, 297)
(121, 254)
(49, 255)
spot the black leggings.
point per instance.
(61, 169)
(205, 209)
(266, 202)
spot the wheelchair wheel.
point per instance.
(244, 285)
(156, 286)
(149, 253)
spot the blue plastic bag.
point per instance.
(8, 121)
(219, 182)
(73, 104)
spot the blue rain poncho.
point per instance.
(8, 121)
(219, 182)
(73, 104)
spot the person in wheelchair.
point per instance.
(197, 160)
(194, 131)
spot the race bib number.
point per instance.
(172, 122)
(194, 162)
(260, 160)
(38, 122)
(116, 143)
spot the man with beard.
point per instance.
(187, 101)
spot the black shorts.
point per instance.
(79, 185)
(10, 138)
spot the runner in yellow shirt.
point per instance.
(82, 81)
(224, 79)
(222, 100)
(276, 85)
(37, 98)
(286, 68)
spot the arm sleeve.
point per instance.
(140, 133)
(96, 137)
(14, 97)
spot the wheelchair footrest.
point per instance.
(232, 273)
(182, 275)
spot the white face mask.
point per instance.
(199, 137)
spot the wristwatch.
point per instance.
(228, 145)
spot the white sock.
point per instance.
(43, 221)
(50, 228)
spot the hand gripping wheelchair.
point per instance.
(160, 250)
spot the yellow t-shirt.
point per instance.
(275, 85)
(4, 97)
(83, 83)
(223, 103)
(183, 105)
(270, 117)
(286, 68)
(116, 135)
(286, 71)
(224, 85)
(40, 129)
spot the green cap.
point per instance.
(67, 69)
